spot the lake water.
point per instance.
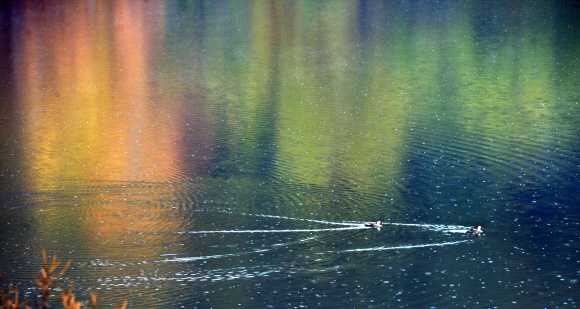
(226, 154)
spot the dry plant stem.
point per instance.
(123, 306)
(68, 299)
(47, 281)
(7, 302)
(94, 300)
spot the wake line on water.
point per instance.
(207, 257)
(274, 231)
(217, 256)
(434, 227)
(383, 248)
(291, 218)
(350, 225)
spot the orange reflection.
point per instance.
(93, 107)
(94, 111)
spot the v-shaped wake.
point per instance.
(352, 225)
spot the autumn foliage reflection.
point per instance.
(95, 111)
(94, 107)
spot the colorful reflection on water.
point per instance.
(221, 154)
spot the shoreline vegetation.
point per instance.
(10, 296)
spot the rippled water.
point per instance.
(186, 154)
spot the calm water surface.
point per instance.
(226, 154)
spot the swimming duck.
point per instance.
(373, 225)
(473, 231)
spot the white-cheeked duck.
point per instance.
(472, 231)
(373, 225)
